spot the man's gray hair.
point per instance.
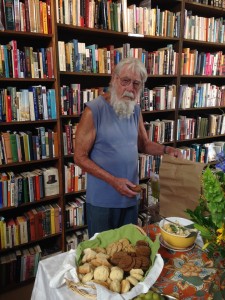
(134, 64)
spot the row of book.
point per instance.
(203, 152)
(200, 127)
(201, 95)
(194, 62)
(19, 265)
(204, 29)
(27, 146)
(68, 137)
(148, 164)
(73, 99)
(72, 240)
(75, 178)
(75, 212)
(32, 104)
(75, 56)
(26, 187)
(160, 131)
(27, 15)
(216, 3)
(26, 62)
(33, 225)
(118, 16)
(159, 98)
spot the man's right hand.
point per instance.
(123, 186)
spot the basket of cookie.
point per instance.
(116, 264)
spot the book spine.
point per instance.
(9, 14)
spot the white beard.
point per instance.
(123, 108)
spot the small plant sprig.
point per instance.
(209, 215)
(213, 192)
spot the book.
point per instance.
(42, 141)
(8, 7)
(22, 225)
(38, 251)
(30, 215)
(18, 265)
(24, 106)
(30, 273)
(13, 144)
(7, 147)
(51, 181)
(51, 99)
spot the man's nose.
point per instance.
(130, 86)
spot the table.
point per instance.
(186, 275)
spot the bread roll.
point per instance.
(116, 273)
(125, 286)
(101, 273)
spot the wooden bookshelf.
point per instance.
(171, 42)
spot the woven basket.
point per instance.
(82, 289)
(79, 288)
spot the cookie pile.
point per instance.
(118, 267)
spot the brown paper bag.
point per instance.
(180, 186)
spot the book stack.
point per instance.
(29, 15)
(19, 265)
(75, 212)
(35, 224)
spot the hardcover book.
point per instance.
(51, 181)
(9, 14)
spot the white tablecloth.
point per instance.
(51, 274)
(46, 271)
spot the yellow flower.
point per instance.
(221, 235)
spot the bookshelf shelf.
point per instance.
(28, 35)
(221, 108)
(36, 203)
(69, 230)
(26, 163)
(75, 193)
(110, 33)
(208, 9)
(205, 138)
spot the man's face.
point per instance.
(125, 91)
(127, 85)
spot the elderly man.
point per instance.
(109, 136)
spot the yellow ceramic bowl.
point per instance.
(176, 241)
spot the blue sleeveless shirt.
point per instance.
(116, 151)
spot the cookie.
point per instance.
(142, 243)
(125, 263)
(136, 188)
(143, 251)
(125, 286)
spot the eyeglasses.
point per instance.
(125, 81)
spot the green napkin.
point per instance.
(130, 231)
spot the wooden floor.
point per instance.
(23, 293)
